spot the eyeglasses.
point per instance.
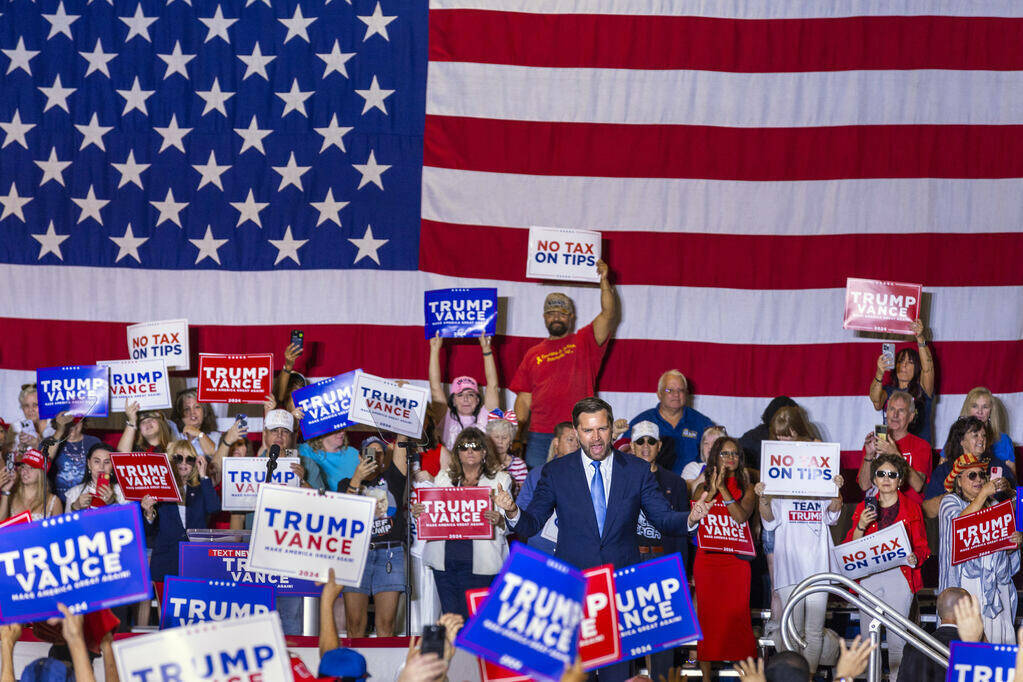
(470, 446)
(646, 440)
(177, 459)
(886, 473)
(669, 391)
(973, 475)
(729, 453)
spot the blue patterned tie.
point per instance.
(597, 493)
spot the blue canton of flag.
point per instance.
(217, 135)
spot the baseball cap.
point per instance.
(35, 459)
(343, 662)
(279, 419)
(558, 301)
(464, 384)
(645, 428)
(47, 670)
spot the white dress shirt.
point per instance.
(605, 473)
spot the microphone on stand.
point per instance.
(271, 464)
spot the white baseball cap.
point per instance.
(279, 419)
(645, 428)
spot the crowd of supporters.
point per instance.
(63, 464)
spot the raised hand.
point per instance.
(201, 463)
(700, 509)
(269, 404)
(751, 670)
(330, 589)
(131, 411)
(485, 344)
(602, 270)
(853, 659)
(436, 342)
(291, 354)
(968, 619)
(504, 499)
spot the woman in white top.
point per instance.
(693, 472)
(97, 463)
(466, 407)
(460, 565)
(802, 547)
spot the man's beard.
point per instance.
(557, 328)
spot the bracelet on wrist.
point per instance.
(131, 426)
(488, 353)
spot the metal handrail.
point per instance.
(869, 603)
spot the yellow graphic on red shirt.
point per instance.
(556, 354)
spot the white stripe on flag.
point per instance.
(775, 316)
(759, 100)
(805, 208)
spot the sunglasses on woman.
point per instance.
(974, 475)
(885, 473)
(470, 446)
(177, 459)
(646, 440)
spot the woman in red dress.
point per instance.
(723, 579)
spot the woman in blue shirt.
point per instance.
(980, 403)
(328, 459)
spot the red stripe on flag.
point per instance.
(736, 45)
(758, 261)
(717, 153)
(633, 365)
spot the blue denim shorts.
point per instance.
(375, 577)
(767, 541)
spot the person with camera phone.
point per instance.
(895, 586)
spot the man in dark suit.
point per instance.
(598, 492)
(959, 618)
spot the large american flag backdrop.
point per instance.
(258, 166)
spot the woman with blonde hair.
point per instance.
(983, 405)
(693, 472)
(27, 489)
(146, 431)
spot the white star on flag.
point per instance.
(176, 61)
(252, 137)
(20, 57)
(297, 25)
(61, 21)
(130, 171)
(368, 246)
(335, 60)
(53, 168)
(93, 133)
(90, 206)
(128, 244)
(255, 63)
(294, 100)
(376, 24)
(333, 135)
(208, 247)
(56, 95)
(371, 171)
(214, 98)
(13, 204)
(138, 24)
(169, 209)
(135, 99)
(217, 26)
(210, 172)
(287, 247)
(16, 130)
(249, 210)
(328, 208)
(173, 135)
(98, 60)
(291, 174)
(374, 97)
(49, 242)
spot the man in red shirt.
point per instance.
(561, 370)
(899, 415)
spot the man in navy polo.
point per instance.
(681, 427)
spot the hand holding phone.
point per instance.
(298, 339)
(881, 432)
(888, 351)
(433, 640)
(996, 472)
